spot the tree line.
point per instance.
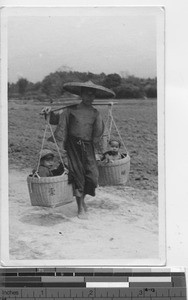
(51, 87)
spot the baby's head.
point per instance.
(46, 158)
(115, 145)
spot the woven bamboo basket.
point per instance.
(50, 191)
(114, 173)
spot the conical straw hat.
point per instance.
(101, 91)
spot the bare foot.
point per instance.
(82, 215)
(84, 206)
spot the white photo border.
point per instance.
(159, 12)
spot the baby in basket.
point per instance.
(46, 164)
(114, 153)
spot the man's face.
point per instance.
(88, 95)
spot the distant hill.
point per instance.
(64, 68)
(51, 86)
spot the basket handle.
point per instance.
(56, 146)
(36, 174)
(42, 146)
(43, 139)
(112, 122)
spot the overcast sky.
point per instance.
(39, 45)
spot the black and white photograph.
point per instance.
(84, 108)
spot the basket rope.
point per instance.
(110, 119)
(57, 146)
(42, 146)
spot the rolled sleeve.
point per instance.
(54, 118)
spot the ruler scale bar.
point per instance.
(16, 272)
(45, 284)
(92, 283)
(22, 278)
(150, 279)
(51, 293)
(150, 284)
(107, 284)
(63, 279)
(106, 278)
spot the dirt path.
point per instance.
(122, 224)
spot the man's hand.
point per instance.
(97, 157)
(46, 110)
